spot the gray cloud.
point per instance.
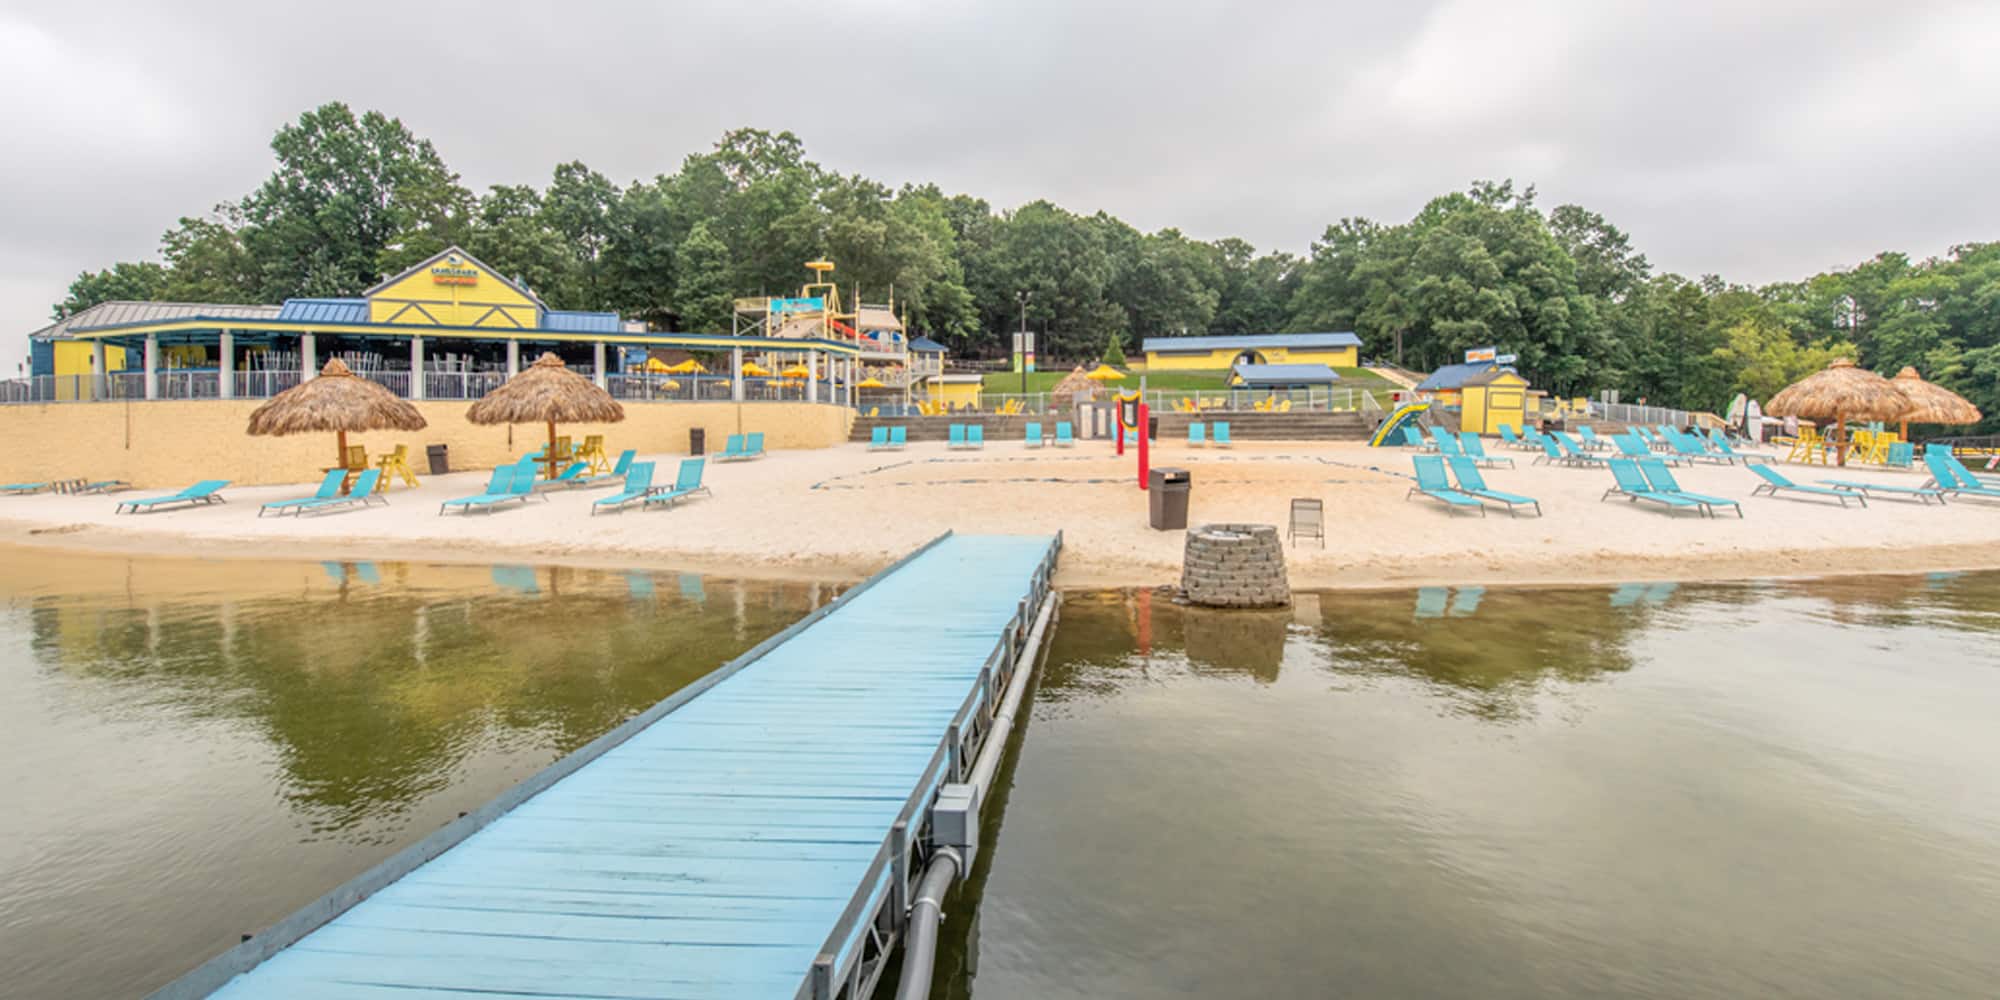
(1759, 141)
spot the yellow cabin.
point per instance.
(1492, 398)
(959, 392)
(1335, 350)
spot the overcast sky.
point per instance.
(1759, 140)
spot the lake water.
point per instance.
(193, 749)
(1755, 790)
(1651, 791)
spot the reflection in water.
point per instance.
(1715, 791)
(194, 749)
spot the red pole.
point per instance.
(1118, 425)
(1142, 446)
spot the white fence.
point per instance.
(444, 385)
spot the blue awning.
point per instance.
(1283, 376)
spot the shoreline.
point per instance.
(839, 514)
(1076, 576)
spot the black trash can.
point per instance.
(440, 461)
(697, 441)
(1169, 498)
(1152, 428)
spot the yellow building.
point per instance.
(1492, 398)
(959, 392)
(1337, 350)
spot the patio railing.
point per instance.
(183, 384)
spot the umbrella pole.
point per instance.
(341, 463)
(1840, 440)
(550, 451)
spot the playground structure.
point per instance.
(820, 312)
(1131, 410)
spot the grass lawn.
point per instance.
(1043, 381)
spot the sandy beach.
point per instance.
(843, 512)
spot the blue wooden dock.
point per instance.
(752, 836)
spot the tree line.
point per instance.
(355, 197)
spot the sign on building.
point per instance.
(1478, 354)
(782, 306)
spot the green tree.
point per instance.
(347, 189)
(125, 280)
(206, 259)
(704, 297)
(1114, 350)
(1762, 357)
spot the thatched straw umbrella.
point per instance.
(337, 401)
(1931, 403)
(547, 392)
(1841, 392)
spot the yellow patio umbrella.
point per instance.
(655, 365)
(752, 369)
(670, 384)
(871, 383)
(797, 371)
(688, 367)
(1105, 373)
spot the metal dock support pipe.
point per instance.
(920, 937)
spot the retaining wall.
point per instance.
(167, 443)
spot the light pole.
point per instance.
(1021, 339)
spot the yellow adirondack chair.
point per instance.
(593, 452)
(395, 464)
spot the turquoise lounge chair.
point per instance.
(1719, 442)
(975, 435)
(1065, 434)
(899, 436)
(1573, 453)
(955, 436)
(638, 484)
(361, 495)
(329, 488)
(1414, 438)
(571, 476)
(1588, 435)
(207, 491)
(1551, 454)
(1950, 476)
(1197, 434)
(1694, 449)
(1470, 482)
(1032, 434)
(1775, 482)
(1630, 483)
(753, 445)
(1445, 444)
(732, 449)
(617, 473)
(498, 487)
(1902, 454)
(1921, 494)
(1432, 484)
(23, 489)
(1662, 478)
(1633, 446)
(687, 483)
(92, 486)
(1475, 449)
(878, 438)
(1221, 430)
(1512, 438)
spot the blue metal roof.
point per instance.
(1282, 375)
(1251, 342)
(569, 321)
(1453, 376)
(325, 310)
(925, 345)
